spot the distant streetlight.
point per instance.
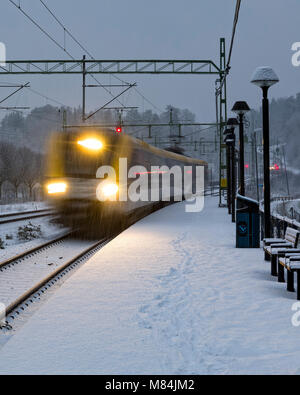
(241, 108)
(265, 77)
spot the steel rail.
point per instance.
(4, 215)
(29, 293)
(7, 218)
(33, 250)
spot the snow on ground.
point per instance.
(170, 295)
(18, 279)
(21, 207)
(13, 246)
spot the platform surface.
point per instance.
(170, 295)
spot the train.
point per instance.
(92, 175)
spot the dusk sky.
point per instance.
(137, 29)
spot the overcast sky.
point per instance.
(122, 29)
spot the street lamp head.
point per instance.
(240, 108)
(264, 77)
(228, 131)
(232, 122)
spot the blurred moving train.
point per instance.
(73, 183)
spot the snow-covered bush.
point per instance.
(29, 232)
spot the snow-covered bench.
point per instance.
(272, 245)
(292, 263)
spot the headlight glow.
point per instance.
(92, 144)
(109, 190)
(56, 187)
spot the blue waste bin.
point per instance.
(247, 223)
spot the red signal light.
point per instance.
(246, 166)
(275, 167)
(119, 129)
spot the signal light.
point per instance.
(119, 129)
(275, 167)
(246, 166)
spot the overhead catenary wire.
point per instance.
(40, 28)
(18, 6)
(88, 52)
(235, 22)
(66, 30)
(15, 85)
(83, 47)
(228, 64)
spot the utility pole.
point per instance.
(256, 166)
(286, 176)
(64, 120)
(83, 87)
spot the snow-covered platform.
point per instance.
(171, 295)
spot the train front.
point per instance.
(74, 159)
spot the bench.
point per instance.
(291, 262)
(272, 245)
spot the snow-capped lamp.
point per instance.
(265, 77)
(241, 108)
(232, 122)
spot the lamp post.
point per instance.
(231, 124)
(241, 108)
(230, 142)
(265, 77)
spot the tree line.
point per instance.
(21, 171)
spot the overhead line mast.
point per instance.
(221, 102)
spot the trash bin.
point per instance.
(247, 223)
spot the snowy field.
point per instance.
(170, 295)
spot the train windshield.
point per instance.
(84, 153)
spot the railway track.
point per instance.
(24, 278)
(23, 216)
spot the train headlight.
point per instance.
(110, 189)
(56, 187)
(91, 144)
(107, 190)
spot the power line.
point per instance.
(40, 28)
(46, 97)
(66, 30)
(92, 57)
(10, 95)
(235, 22)
(53, 40)
(148, 101)
(15, 85)
(227, 68)
(82, 47)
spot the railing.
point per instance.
(279, 223)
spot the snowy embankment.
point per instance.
(170, 295)
(13, 244)
(22, 207)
